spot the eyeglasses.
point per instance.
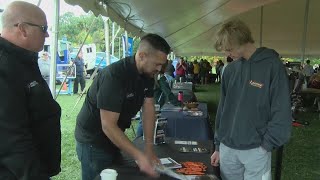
(43, 28)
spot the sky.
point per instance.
(47, 7)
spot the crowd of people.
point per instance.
(198, 72)
(253, 116)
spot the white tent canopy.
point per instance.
(189, 26)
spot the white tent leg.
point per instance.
(261, 26)
(305, 29)
(107, 40)
(112, 40)
(54, 48)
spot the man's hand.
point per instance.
(116, 135)
(146, 166)
(215, 158)
(152, 156)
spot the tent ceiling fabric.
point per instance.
(190, 26)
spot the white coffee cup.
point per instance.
(108, 174)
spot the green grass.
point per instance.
(301, 158)
(302, 153)
(70, 164)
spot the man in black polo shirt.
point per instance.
(116, 95)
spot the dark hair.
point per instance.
(157, 42)
(229, 59)
(308, 61)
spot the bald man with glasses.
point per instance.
(30, 132)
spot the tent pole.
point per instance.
(112, 40)
(54, 49)
(126, 41)
(305, 29)
(39, 2)
(80, 49)
(120, 39)
(261, 25)
(107, 39)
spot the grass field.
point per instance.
(301, 159)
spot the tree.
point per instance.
(75, 29)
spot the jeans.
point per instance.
(94, 160)
(140, 128)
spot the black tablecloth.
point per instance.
(128, 170)
(181, 125)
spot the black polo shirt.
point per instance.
(117, 88)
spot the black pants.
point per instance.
(77, 80)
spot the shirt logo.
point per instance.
(130, 95)
(256, 84)
(33, 84)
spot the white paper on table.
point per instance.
(186, 142)
(191, 177)
(170, 163)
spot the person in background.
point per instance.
(299, 79)
(80, 73)
(219, 66)
(162, 94)
(229, 60)
(190, 73)
(196, 70)
(254, 112)
(204, 71)
(208, 72)
(213, 72)
(170, 69)
(117, 93)
(44, 66)
(169, 73)
(308, 71)
(30, 132)
(181, 69)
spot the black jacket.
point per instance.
(30, 132)
(162, 93)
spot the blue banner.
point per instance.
(130, 46)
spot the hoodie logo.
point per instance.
(256, 84)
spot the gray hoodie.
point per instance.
(254, 108)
